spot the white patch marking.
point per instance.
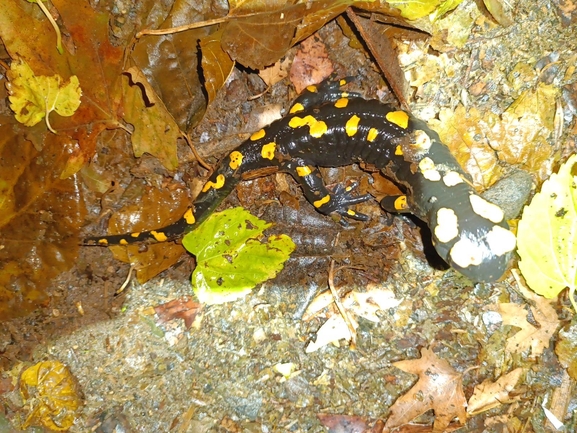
(447, 227)
(501, 241)
(467, 253)
(487, 210)
(429, 170)
(422, 140)
(452, 178)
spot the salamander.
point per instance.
(328, 127)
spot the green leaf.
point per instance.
(33, 97)
(547, 235)
(415, 9)
(231, 259)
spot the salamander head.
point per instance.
(475, 241)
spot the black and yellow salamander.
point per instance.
(328, 127)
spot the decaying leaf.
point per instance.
(566, 349)
(34, 97)
(530, 337)
(51, 394)
(156, 208)
(463, 132)
(547, 235)
(489, 395)
(480, 140)
(231, 259)
(439, 388)
(155, 131)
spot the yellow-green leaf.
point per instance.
(231, 259)
(547, 235)
(415, 9)
(33, 97)
(444, 7)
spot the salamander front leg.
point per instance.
(320, 197)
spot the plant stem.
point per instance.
(56, 29)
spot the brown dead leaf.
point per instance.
(566, 349)
(311, 64)
(275, 73)
(170, 63)
(344, 423)
(530, 337)
(489, 395)
(439, 388)
(185, 309)
(155, 208)
(216, 64)
(462, 131)
(155, 131)
(260, 40)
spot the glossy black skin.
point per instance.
(297, 148)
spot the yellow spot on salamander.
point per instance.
(399, 118)
(342, 103)
(159, 236)
(372, 135)
(235, 159)
(322, 201)
(351, 212)
(296, 108)
(352, 125)
(258, 135)
(123, 242)
(189, 217)
(399, 150)
(447, 227)
(304, 171)
(216, 185)
(267, 151)
(401, 203)
(103, 241)
(317, 127)
(342, 82)
(135, 234)
(312, 89)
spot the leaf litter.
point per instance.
(129, 355)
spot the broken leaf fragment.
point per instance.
(231, 259)
(52, 395)
(33, 97)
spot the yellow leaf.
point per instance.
(547, 235)
(51, 394)
(33, 97)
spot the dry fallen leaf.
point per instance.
(439, 388)
(530, 336)
(488, 395)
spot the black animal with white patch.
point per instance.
(327, 127)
